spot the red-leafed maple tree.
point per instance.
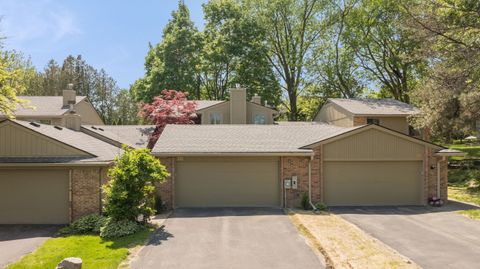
(171, 107)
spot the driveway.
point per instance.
(432, 237)
(227, 238)
(18, 240)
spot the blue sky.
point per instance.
(112, 35)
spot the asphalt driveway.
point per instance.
(19, 240)
(227, 238)
(433, 238)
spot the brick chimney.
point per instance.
(69, 96)
(257, 99)
(238, 105)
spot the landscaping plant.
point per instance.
(129, 195)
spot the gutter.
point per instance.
(310, 183)
(54, 164)
(234, 154)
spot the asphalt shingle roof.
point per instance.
(371, 106)
(201, 104)
(135, 136)
(284, 138)
(43, 106)
(101, 151)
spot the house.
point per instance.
(237, 110)
(52, 174)
(53, 109)
(389, 113)
(246, 165)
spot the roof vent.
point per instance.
(58, 127)
(94, 128)
(100, 129)
(35, 124)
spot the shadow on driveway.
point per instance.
(19, 240)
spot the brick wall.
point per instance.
(298, 166)
(431, 176)
(86, 191)
(359, 121)
(165, 189)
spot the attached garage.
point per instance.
(373, 183)
(373, 168)
(34, 196)
(224, 182)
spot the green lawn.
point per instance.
(95, 252)
(472, 151)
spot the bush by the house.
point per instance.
(159, 204)
(305, 202)
(85, 225)
(130, 191)
(321, 206)
(114, 228)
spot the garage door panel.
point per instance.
(216, 182)
(373, 183)
(34, 196)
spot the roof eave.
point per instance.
(232, 154)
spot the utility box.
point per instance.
(287, 183)
(294, 182)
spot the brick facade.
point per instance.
(432, 164)
(165, 189)
(357, 121)
(86, 191)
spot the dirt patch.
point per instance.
(343, 244)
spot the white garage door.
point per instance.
(373, 183)
(224, 182)
(34, 196)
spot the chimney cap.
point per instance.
(70, 86)
(237, 85)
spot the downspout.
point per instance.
(310, 183)
(70, 200)
(439, 178)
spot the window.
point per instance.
(373, 121)
(216, 118)
(259, 119)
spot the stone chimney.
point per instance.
(257, 99)
(69, 96)
(73, 121)
(238, 105)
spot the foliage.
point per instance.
(172, 64)
(129, 193)
(93, 250)
(85, 225)
(12, 81)
(125, 109)
(159, 205)
(171, 107)
(305, 202)
(471, 213)
(471, 151)
(321, 206)
(119, 228)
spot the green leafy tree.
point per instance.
(125, 109)
(234, 52)
(129, 193)
(172, 64)
(292, 27)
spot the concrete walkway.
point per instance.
(227, 238)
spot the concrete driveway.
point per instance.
(19, 240)
(433, 238)
(227, 238)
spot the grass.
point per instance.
(471, 151)
(95, 252)
(471, 213)
(343, 244)
(462, 187)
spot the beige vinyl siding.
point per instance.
(88, 113)
(219, 182)
(373, 183)
(373, 145)
(331, 113)
(255, 109)
(17, 141)
(398, 124)
(223, 109)
(39, 196)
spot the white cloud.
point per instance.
(29, 21)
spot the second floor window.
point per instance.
(259, 119)
(216, 118)
(373, 121)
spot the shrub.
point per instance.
(129, 193)
(85, 225)
(321, 206)
(114, 228)
(305, 203)
(159, 205)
